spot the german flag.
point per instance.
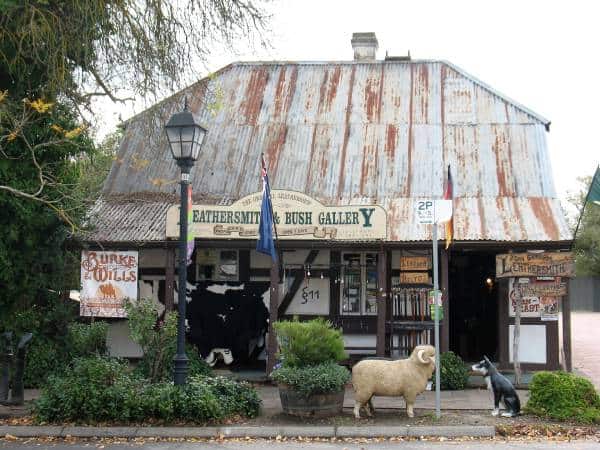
(448, 196)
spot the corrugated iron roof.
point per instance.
(348, 132)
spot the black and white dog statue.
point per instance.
(502, 388)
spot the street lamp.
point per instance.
(185, 138)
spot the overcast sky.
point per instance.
(543, 54)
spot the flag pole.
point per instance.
(583, 206)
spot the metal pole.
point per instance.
(180, 369)
(436, 319)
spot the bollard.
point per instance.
(18, 392)
(6, 356)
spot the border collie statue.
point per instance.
(502, 388)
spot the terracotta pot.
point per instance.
(316, 405)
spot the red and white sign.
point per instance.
(107, 279)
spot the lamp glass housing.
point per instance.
(185, 136)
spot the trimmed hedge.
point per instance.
(319, 379)
(102, 389)
(563, 396)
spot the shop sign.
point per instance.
(555, 264)
(415, 263)
(538, 288)
(107, 279)
(414, 278)
(296, 216)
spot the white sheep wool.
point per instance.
(404, 377)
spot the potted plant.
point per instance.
(310, 380)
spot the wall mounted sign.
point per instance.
(311, 298)
(556, 264)
(415, 278)
(539, 298)
(107, 279)
(296, 215)
(415, 263)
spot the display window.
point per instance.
(358, 283)
(217, 265)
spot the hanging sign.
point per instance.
(107, 279)
(415, 263)
(555, 264)
(415, 278)
(296, 216)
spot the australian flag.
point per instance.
(265, 242)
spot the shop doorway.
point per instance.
(473, 305)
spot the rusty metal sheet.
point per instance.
(359, 133)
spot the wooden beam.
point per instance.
(170, 279)
(381, 300)
(445, 285)
(289, 296)
(273, 309)
(566, 325)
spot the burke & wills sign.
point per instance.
(296, 216)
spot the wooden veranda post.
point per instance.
(381, 301)
(517, 332)
(566, 324)
(273, 315)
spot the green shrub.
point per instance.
(309, 343)
(101, 389)
(87, 339)
(563, 396)
(309, 380)
(158, 340)
(453, 372)
(52, 355)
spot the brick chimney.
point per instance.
(365, 46)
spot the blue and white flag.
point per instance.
(265, 242)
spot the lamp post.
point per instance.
(185, 138)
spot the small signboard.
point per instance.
(424, 211)
(415, 278)
(555, 264)
(415, 263)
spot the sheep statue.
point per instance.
(405, 377)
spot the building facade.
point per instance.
(350, 147)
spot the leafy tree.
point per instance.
(88, 48)
(587, 240)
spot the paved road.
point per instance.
(273, 445)
(585, 333)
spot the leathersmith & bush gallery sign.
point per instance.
(296, 215)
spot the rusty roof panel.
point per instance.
(347, 133)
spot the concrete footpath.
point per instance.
(241, 431)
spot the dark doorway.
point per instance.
(473, 305)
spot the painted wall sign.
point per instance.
(107, 279)
(312, 298)
(296, 215)
(415, 263)
(534, 265)
(415, 278)
(540, 298)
